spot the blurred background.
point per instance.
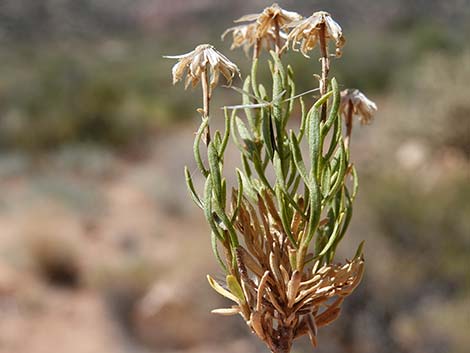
(101, 249)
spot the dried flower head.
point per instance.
(271, 19)
(245, 36)
(205, 59)
(354, 102)
(307, 32)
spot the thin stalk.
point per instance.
(325, 67)
(256, 49)
(206, 97)
(349, 124)
(278, 37)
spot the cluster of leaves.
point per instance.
(314, 187)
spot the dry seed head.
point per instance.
(204, 59)
(362, 106)
(271, 17)
(307, 32)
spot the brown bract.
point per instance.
(271, 18)
(205, 59)
(279, 301)
(361, 106)
(306, 32)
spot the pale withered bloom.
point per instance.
(271, 18)
(307, 32)
(356, 103)
(204, 59)
(245, 36)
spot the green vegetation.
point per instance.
(101, 94)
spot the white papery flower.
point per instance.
(245, 36)
(271, 17)
(204, 59)
(306, 32)
(361, 106)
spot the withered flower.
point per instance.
(245, 36)
(270, 22)
(203, 60)
(354, 102)
(203, 64)
(307, 32)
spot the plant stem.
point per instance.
(206, 97)
(349, 124)
(278, 37)
(256, 50)
(325, 67)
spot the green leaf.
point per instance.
(334, 107)
(208, 209)
(239, 195)
(355, 182)
(221, 290)
(192, 190)
(295, 185)
(246, 166)
(196, 147)
(359, 250)
(279, 67)
(215, 250)
(215, 171)
(348, 214)
(250, 191)
(218, 209)
(248, 144)
(326, 180)
(246, 101)
(314, 140)
(315, 210)
(278, 87)
(217, 140)
(341, 171)
(297, 155)
(235, 288)
(334, 235)
(303, 119)
(267, 132)
(278, 169)
(234, 135)
(223, 197)
(291, 93)
(285, 218)
(226, 137)
(293, 172)
(257, 163)
(262, 92)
